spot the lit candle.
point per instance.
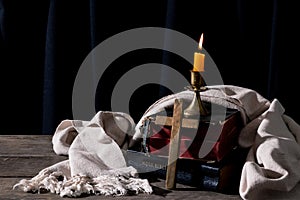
(199, 58)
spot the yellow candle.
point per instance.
(199, 58)
(198, 62)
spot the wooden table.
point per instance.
(23, 156)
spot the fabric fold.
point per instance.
(250, 103)
(274, 156)
(96, 164)
(270, 134)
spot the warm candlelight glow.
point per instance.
(201, 42)
(199, 58)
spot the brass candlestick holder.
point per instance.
(196, 107)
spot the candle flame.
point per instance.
(201, 41)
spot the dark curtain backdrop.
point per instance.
(43, 43)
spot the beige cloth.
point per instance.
(95, 164)
(274, 159)
(272, 168)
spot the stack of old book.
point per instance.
(218, 171)
(223, 176)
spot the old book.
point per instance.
(216, 176)
(191, 139)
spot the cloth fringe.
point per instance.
(75, 186)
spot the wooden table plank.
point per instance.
(160, 193)
(24, 156)
(26, 166)
(25, 145)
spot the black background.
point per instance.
(43, 43)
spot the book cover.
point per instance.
(191, 140)
(214, 176)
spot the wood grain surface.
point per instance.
(23, 156)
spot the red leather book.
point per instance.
(191, 140)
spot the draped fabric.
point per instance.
(43, 44)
